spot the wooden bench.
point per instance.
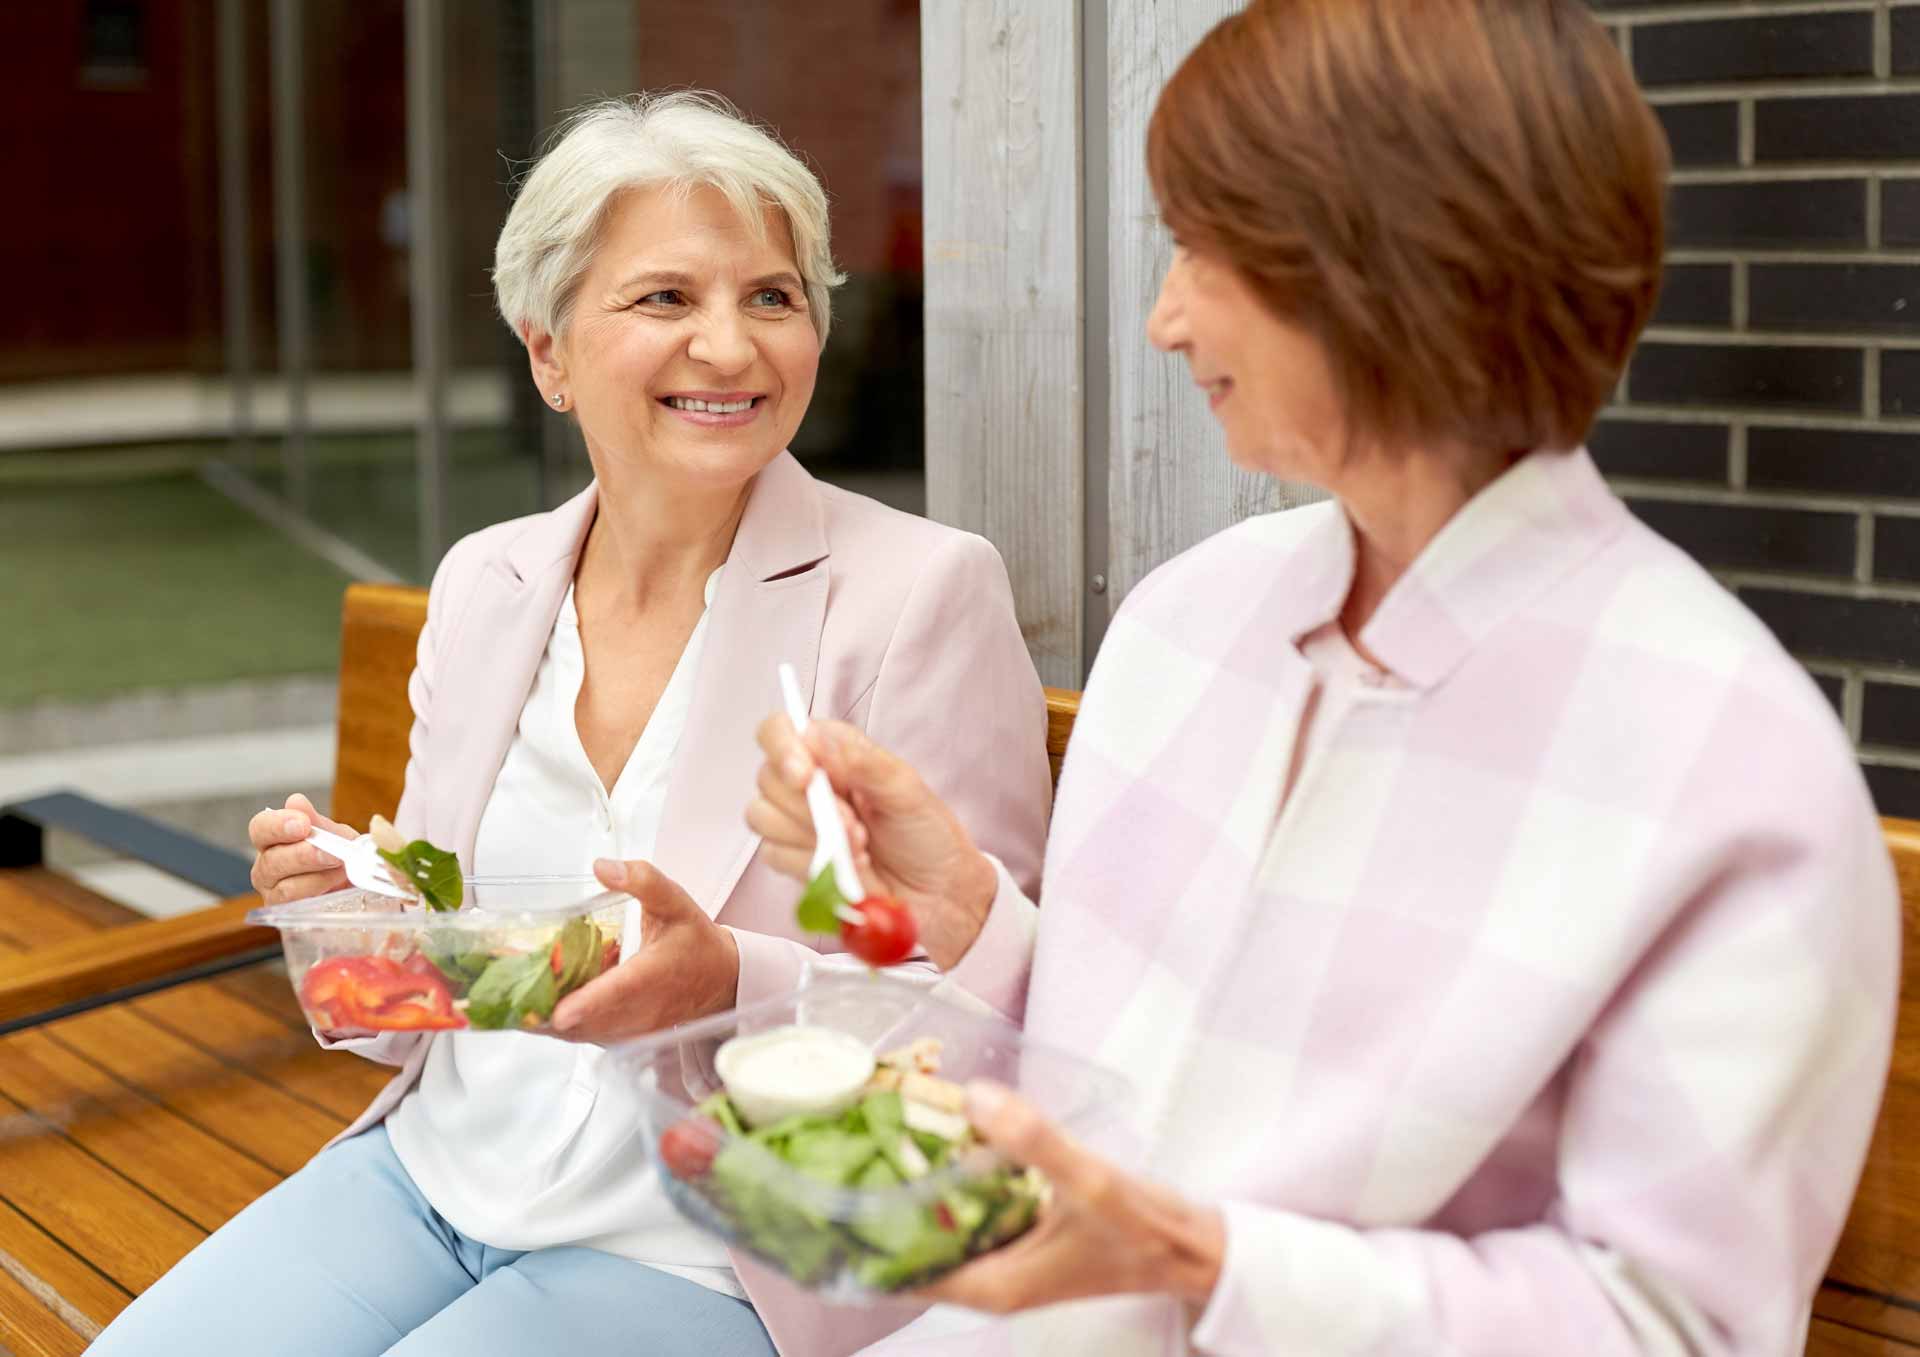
(128, 1133)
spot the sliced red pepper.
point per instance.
(379, 993)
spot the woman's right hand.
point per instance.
(284, 866)
(905, 840)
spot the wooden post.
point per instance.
(1169, 481)
(1005, 349)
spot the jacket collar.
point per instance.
(1550, 512)
(782, 529)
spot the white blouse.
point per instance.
(517, 1139)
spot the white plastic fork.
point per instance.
(365, 867)
(829, 833)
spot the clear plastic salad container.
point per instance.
(364, 962)
(887, 1192)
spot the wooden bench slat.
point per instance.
(30, 1328)
(1880, 1249)
(1827, 1339)
(40, 908)
(121, 1228)
(233, 1102)
(379, 625)
(95, 1297)
(91, 964)
(337, 1083)
(79, 907)
(1874, 1313)
(203, 1178)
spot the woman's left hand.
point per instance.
(687, 966)
(1103, 1233)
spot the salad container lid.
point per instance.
(486, 902)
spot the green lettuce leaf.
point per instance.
(580, 950)
(434, 872)
(514, 991)
(818, 903)
(459, 962)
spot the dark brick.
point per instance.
(1650, 448)
(1834, 462)
(1906, 41)
(1777, 214)
(1900, 210)
(1882, 297)
(1847, 127)
(1896, 547)
(1696, 294)
(1833, 687)
(1753, 49)
(1739, 537)
(1702, 134)
(1773, 376)
(1899, 382)
(1828, 627)
(1896, 791)
(1890, 714)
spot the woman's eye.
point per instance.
(665, 297)
(771, 297)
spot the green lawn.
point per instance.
(160, 581)
(123, 570)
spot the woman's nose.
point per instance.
(1167, 322)
(722, 343)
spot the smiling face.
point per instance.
(690, 353)
(1267, 382)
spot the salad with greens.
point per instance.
(443, 978)
(890, 1191)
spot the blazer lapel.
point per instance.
(488, 668)
(770, 606)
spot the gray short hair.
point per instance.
(687, 139)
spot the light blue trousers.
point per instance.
(347, 1259)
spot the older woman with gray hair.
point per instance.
(587, 689)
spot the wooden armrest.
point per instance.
(117, 958)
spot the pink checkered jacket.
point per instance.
(1549, 1015)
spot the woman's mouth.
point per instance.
(716, 410)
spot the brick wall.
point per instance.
(1770, 421)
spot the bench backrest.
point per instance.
(379, 628)
(1875, 1273)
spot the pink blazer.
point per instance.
(899, 625)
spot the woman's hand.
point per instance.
(906, 842)
(285, 867)
(1103, 1232)
(687, 966)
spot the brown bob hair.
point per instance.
(1462, 200)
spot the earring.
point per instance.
(559, 400)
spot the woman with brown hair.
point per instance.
(1489, 912)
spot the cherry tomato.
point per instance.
(687, 1147)
(885, 934)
